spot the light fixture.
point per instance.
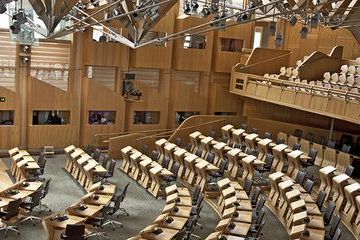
(25, 48)
(243, 17)
(186, 7)
(304, 32)
(278, 39)
(314, 20)
(205, 11)
(293, 20)
(25, 59)
(272, 28)
(194, 6)
(214, 8)
(18, 19)
(102, 38)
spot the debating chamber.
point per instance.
(179, 119)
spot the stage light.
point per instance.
(186, 7)
(314, 20)
(102, 38)
(272, 28)
(304, 32)
(278, 39)
(243, 17)
(3, 9)
(194, 6)
(25, 60)
(205, 11)
(18, 19)
(293, 20)
(214, 8)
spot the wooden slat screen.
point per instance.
(147, 77)
(7, 61)
(188, 79)
(50, 62)
(106, 76)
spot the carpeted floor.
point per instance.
(142, 207)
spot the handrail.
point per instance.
(257, 63)
(312, 88)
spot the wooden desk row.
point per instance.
(295, 208)
(345, 193)
(148, 173)
(23, 165)
(82, 167)
(172, 218)
(325, 157)
(281, 152)
(88, 206)
(235, 211)
(22, 190)
(192, 169)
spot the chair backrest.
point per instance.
(13, 208)
(308, 185)
(212, 134)
(296, 146)
(267, 135)
(175, 168)
(349, 170)
(154, 155)
(320, 199)
(123, 193)
(104, 158)
(75, 230)
(260, 204)
(312, 154)
(329, 212)
(222, 166)
(260, 217)
(247, 186)
(165, 162)
(89, 149)
(41, 161)
(210, 157)
(36, 198)
(254, 130)
(244, 126)
(345, 148)
(280, 141)
(178, 141)
(269, 159)
(111, 168)
(300, 177)
(46, 188)
(198, 152)
(255, 195)
(96, 154)
(331, 143)
(298, 133)
(196, 194)
(320, 140)
(337, 234)
(258, 232)
(334, 224)
(309, 136)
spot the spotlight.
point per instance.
(278, 39)
(25, 60)
(186, 7)
(214, 8)
(194, 6)
(304, 32)
(26, 48)
(314, 20)
(205, 11)
(272, 28)
(293, 20)
(102, 38)
(18, 19)
(243, 17)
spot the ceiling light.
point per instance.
(293, 20)
(205, 11)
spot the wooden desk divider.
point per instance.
(226, 132)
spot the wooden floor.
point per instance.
(5, 180)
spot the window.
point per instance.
(51, 117)
(105, 76)
(151, 35)
(231, 45)
(6, 117)
(257, 37)
(102, 117)
(146, 117)
(195, 41)
(181, 116)
(50, 63)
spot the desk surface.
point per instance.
(71, 220)
(90, 211)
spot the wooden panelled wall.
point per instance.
(179, 80)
